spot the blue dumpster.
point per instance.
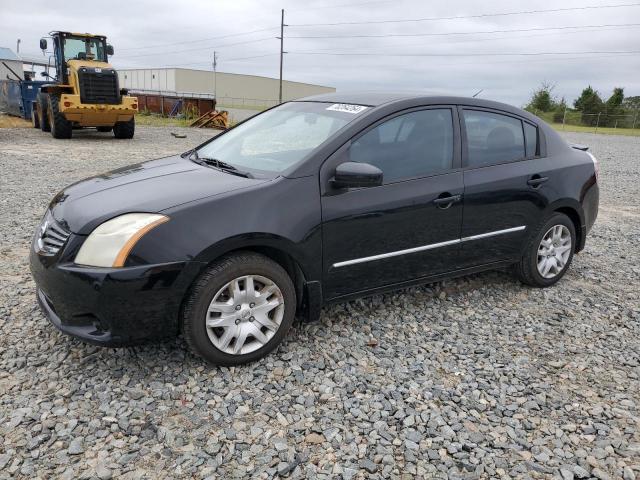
(16, 97)
(29, 91)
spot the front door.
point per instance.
(406, 228)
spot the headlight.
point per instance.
(110, 243)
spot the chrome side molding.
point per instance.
(427, 247)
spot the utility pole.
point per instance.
(215, 65)
(282, 52)
(18, 46)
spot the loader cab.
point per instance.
(72, 46)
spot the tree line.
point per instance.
(588, 109)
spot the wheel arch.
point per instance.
(275, 248)
(574, 211)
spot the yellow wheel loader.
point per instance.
(85, 90)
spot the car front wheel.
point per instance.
(239, 309)
(548, 253)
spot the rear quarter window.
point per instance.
(531, 140)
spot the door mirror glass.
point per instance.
(109, 50)
(356, 175)
(43, 44)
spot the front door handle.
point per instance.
(446, 202)
(536, 181)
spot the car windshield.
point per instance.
(84, 48)
(281, 137)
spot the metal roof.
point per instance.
(7, 54)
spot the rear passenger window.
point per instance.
(493, 138)
(531, 140)
(412, 145)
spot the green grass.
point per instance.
(158, 121)
(548, 117)
(635, 132)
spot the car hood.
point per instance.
(144, 187)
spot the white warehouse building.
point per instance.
(230, 88)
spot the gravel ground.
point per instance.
(474, 378)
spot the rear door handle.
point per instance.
(536, 181)
(446, 202)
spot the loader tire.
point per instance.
(125, 129)
(43, 118)
(35, 120)
(60, 126)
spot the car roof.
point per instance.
(374, 99)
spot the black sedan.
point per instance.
(313, 201)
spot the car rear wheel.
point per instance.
(239, 309)
(548, 253)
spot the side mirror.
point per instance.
(109, 49)
(43, 44)
(356, 175)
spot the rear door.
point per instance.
(403, 229)
(506, 185)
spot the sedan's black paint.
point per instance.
(144, 187)
(302, 221)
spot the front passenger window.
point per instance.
(412, 145)
(493, 138)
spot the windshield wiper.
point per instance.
(220, 165)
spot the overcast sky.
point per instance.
(153, 33)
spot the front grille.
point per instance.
(50, 236)
(98, 85)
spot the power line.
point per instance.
(235, 59)
(457, 17)
(439, 34)
(475, 54)
(475, 40)
(198, 41)
(200, 48)
(342, 5)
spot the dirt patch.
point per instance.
(7, 121)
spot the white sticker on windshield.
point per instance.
(346, 107)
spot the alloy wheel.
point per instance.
(245, 314)
(554, 251)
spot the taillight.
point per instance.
(596, 165)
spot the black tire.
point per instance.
(60, 126)
(215, 278)
(104, 129)
(35, 120)
(125, 129)
(43, 118)
(527, 268)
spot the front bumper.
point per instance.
(113, 306)
(96, 115)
